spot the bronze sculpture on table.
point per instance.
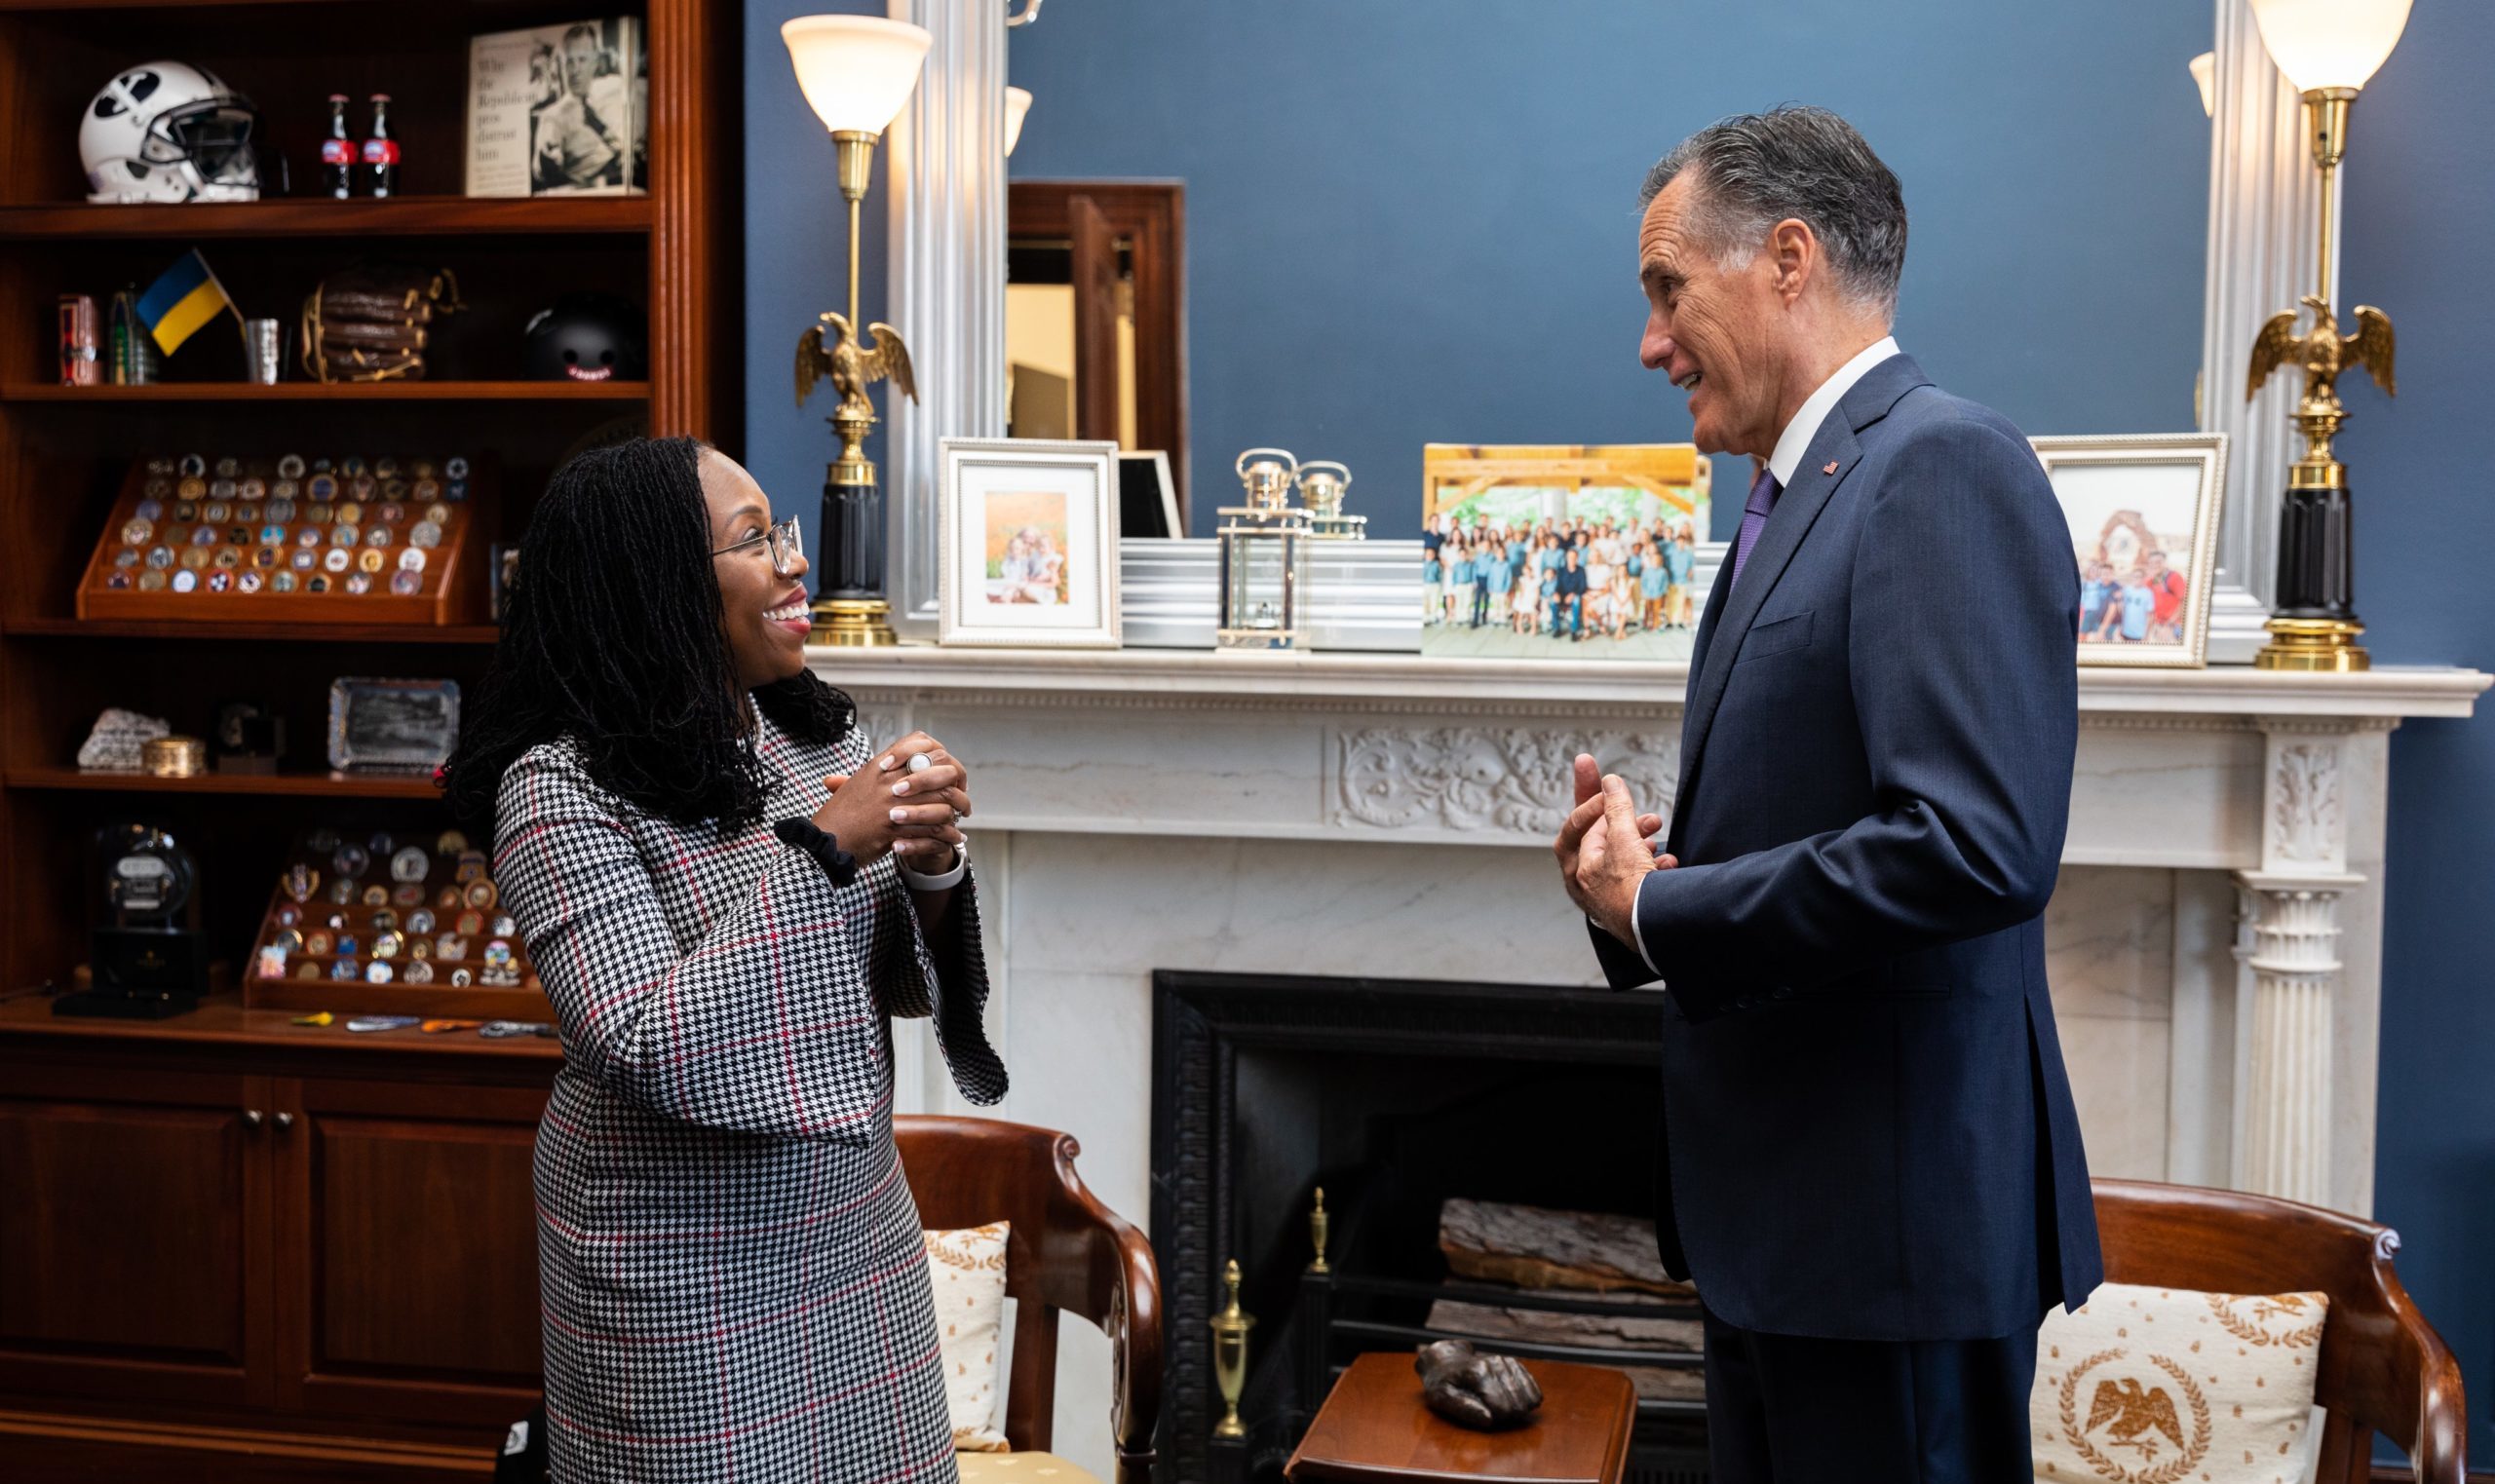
(1487, 1393)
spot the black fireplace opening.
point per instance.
(1395, 1097)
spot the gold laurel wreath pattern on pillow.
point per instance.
(2173, 1386)
(968, 1271)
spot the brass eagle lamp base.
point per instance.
(2314, 626)
(853, 612)
(853, 623)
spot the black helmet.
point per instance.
(586, 337)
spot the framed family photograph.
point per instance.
(1575, 552)
(2143, 515)
(1029, 532)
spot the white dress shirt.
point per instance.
(1790, 444)
(1795, 440)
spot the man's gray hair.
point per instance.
(1755, 170)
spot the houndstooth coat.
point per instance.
(734, 1285)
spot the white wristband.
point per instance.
(945, 881)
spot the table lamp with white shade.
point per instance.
(855, 71)
(2329, 50)
(1017, 102)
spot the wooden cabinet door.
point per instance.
(406, 1248)
(131, 1255)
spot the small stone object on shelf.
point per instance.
(114, 743)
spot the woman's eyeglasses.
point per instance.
(786, 546)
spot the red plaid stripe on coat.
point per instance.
(734, 1285)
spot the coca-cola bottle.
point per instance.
(380, 151)
(338, 151)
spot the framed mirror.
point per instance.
(1094, 321)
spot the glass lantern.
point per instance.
(1322, 485)
(1263, 551)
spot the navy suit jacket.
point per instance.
(1868, 1133)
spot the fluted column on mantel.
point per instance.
(945, 213)
(2289, 943)
(2260, 256)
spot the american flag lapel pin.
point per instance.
(1829, 467)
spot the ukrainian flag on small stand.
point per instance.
(184, 297)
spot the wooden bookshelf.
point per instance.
(344, 1342)
(250, 634)
(416, 216)
(331, 391)
(301, 785)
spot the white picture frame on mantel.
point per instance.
(2143, 515)
(1027, 544)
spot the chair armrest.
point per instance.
(1125, 1281)
(2441, 1454)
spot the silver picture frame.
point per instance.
(2145, 492)
(1084, 475)
(391, 726)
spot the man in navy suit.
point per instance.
(1872, 1167)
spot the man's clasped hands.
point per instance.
(1606, 848)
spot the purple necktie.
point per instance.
(1763, 492)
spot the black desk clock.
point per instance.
(149, 959)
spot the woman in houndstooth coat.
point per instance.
(727, 896)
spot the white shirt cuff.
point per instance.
(943, 881)
(1638, 930)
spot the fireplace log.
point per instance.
(1535, 1248)
(1654, 1383)
(1600, 1331)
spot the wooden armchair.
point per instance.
(1066, 1252)
(2382, 1369)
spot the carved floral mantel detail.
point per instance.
(1514, 779)
(2307, 822)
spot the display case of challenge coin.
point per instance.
(372, 923)
(339, 538)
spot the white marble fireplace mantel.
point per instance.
(2215, 940)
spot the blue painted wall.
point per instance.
(2421, 189)
(1409, 223)
(1413, 223)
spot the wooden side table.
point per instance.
(1375, 1429)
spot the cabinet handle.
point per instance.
(285, 1122)
(252, 1116)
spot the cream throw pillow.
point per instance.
(2169, 1386)
(968, 1271)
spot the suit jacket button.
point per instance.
(1785, 991)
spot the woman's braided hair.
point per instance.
(612, 637)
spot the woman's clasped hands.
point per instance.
(893, 805)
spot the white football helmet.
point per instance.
(167, 131)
